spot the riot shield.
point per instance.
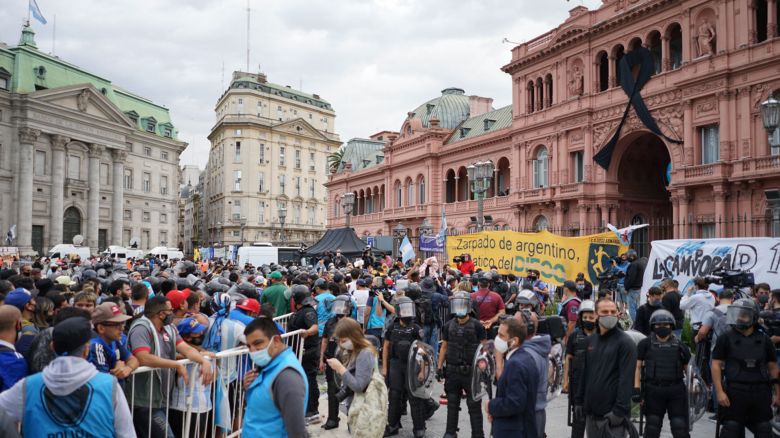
(421, 370)
(697, 394)
(483, 371)
(635, 336)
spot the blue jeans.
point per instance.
(633, 302)
(432, 339)
(159, 425)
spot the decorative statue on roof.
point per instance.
(706, 38)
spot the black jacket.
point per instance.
(642, 321)
(671, 302)
(608, 374)
(634, 274)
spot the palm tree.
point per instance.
(334, 159)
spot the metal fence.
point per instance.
(282, 320)
(191, 408)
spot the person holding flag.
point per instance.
(406, 249)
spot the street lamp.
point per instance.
(770, 115)
(399, 232)
(426, 229)
(242, 222)
(480, 175)
(348, 201)
(282, 217)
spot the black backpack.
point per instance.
(424, 307)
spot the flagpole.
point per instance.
(54, 35)
(29, 8)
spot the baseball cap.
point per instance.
(276, 275)
(71, 334)
(190, 326)
(249, 304)
(568, 284)
(18, 298)
(361, 283)
(389, 281)
(321, 283)
(177, 298)
(65, 280)
(108, 312)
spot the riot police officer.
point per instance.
(575, 350)
(341, 308)
(744, 369)
(461, 337)
(661, 360)
(395, 353)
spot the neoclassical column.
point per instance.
(666, 64)
(117, 201)
(583, 217)
(612, 71)
(57, 204)
(685, 225)
(93, 202)
(27, 139)
(771, 26)
(720, 193)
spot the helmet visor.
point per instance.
(340, 307)
(739, 316)
(460, 306)
(406, 310)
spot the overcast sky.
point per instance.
(373, 60)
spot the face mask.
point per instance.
(461, 313)
(501, 345)
(260, 357)
(168, 319)
(663, 331)
(763, 299)
(580, 286)
(608, 321)
(588, 325)
(346, 345)
(196, 341)
(655, 303)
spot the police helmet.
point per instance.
(413, 291)
(587, 306)
(484, 279)
(742, 314)
(342, 305)
(460, 304)
(300, 293)
(662, 316)
(405, 308)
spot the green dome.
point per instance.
(451, 108)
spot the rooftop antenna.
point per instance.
(247, 35)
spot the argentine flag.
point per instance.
(36, 12)
(407, 252)
(442, 236)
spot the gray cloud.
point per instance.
(373, 60)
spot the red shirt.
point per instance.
(466, 267)
(570, 310)
(489, 303)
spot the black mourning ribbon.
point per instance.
(641, 57)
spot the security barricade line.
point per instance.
(282, 320)
(211, 411)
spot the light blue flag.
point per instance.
(222, 418)
(407, 252)
(442, 236)
(36, 12)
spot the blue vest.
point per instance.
(94, 419)
(262, 417)
(324, 301)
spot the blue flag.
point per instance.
(407, 251)
(36, 12)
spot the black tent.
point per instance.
(344, 239)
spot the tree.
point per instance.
(334, 159)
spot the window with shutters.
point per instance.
(710, 144)
(577, 166)
(281, 156)
(540, 165)
(147, 182)
(261, 182)
(312, 162)
(297, 158)
(128, 179)
(237, 180)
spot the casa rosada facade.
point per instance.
(715, 62)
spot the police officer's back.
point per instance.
(575, 352)
(744, 369)
(661, 360)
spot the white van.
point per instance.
(166, 253)
(66, 250)
(134, 253)
(118, 253)
(258, 255)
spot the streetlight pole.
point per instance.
(426, 229)
(480, 175)
(282, 217)
(399, 232)
(348, 201)
(242, 222)
(770, 115)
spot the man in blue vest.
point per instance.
(277, 390)
(69, 397)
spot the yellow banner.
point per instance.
(557, 258)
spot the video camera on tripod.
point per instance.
(732, 279)
(609, 280)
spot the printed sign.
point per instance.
(557, 258)
(431, 244)
(686, 259)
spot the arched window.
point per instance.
(548, 92)
(369, 202)
(654, 45)
(421, 189)
(541, 223)
(761, 32)
(635, 43)
(410, 193)
(618, 53)
(603, 71)
(540, 166)
(674, 33)
(449, 187)
(71, 224)
(399, 195)
(639, 239)
(531, 105)
(539, 94)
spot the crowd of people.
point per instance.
(73, 334)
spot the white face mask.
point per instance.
(346, 345)
(501, 345)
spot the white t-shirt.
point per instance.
(361, 298)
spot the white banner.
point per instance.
(684, 260)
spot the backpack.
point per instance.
(424, 308)
(368, 411)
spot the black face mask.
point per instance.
(663, 331)
(763, 299)
(588, 325)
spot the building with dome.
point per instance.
(80, 155)
(715, 172)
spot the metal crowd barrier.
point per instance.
(282, 320)
(192, 409)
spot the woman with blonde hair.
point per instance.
(363, 386)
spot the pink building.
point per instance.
(715, 62)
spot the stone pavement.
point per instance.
(556, 422)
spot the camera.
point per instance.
(344, 393)
(609, 279)
(731, 278)
(457, 259)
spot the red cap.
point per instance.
(389, 281)
(177, 298)
(250, 305)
